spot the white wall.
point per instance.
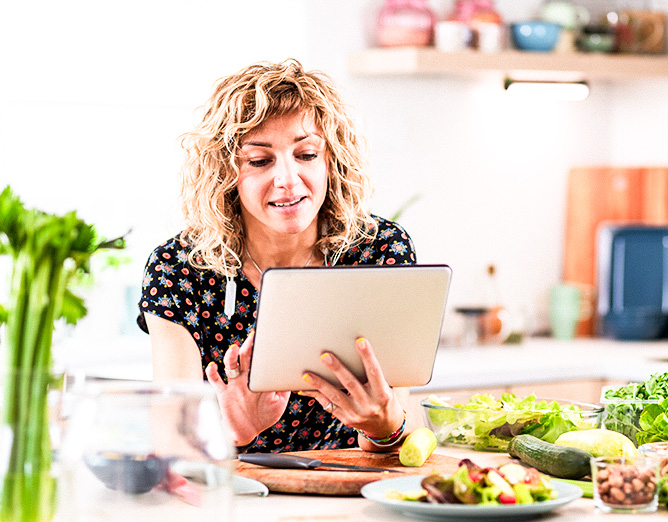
(94, 97)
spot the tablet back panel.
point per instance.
(303, 312)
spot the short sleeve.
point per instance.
(168, 288)
(391, 246)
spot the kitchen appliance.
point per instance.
(633, 281)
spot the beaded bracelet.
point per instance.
(388, 441)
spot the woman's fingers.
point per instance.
(246, 351)
(231, 362)
(325, 393)
(374, 373)
(213, 376)
(347, 379)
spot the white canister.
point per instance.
(451, 36)
(490, 37)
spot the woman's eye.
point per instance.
(258, 162)
(307, 156)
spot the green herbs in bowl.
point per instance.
(626, 405)
(484, 423)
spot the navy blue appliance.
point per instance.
(633, 282)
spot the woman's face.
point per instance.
(282, 176)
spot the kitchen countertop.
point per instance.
(545, 360)
(536, 359)
(292, 508)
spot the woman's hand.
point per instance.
(373, 407)
(248, 413)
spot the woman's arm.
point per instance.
(175, 353)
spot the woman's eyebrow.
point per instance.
(268, 145)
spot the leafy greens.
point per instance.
(626, 404)
(486, 423)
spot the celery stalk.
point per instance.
(47, 250)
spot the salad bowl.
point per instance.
(485, 423)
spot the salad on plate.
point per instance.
(471, 484)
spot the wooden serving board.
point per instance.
(341, 482)
(606, 194)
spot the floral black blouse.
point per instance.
(174, 290)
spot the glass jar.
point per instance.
(623, 485)
(138, 451)
(405, 23)
(479, 15)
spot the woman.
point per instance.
(274, 176)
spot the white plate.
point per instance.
(376, 491)
(248, 486)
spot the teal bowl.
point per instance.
(535, 35)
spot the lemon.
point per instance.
(599, 443)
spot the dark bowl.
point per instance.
(635, 324)
(128, 473)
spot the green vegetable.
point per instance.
(485, 423)
(47, 251)
(558, 461)
(663, 490)
(653, 423)
(599, 443)
(625, 404)
(417, 447)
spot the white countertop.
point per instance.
(535, 360)
(544, 360)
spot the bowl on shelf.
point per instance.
(485, 423)
(535, 35)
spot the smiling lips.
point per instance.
(282, 204)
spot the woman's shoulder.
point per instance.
(390, 245)
(389, 229)
(173, 251)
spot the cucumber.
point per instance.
(558, 461)
(417, 447)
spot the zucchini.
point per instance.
(417, 447)
(558, 461)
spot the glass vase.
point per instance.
(138, 451)
(29, 433)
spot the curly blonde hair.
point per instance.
(240, 103)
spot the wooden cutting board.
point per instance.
(341, 483)
(606, 194)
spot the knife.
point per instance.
(284, 461)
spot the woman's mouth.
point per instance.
(283, 204)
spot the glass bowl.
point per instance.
(141, 451)
(485, 423)
(623, 415)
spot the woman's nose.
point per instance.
(287, 173)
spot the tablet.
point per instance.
(303, 312)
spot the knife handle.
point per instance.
(278, 460)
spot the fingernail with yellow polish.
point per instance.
(306, 377)
(326, 357)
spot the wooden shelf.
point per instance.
(413, 61)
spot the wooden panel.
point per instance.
(655, 196)
(598, 195)
(558, 66)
